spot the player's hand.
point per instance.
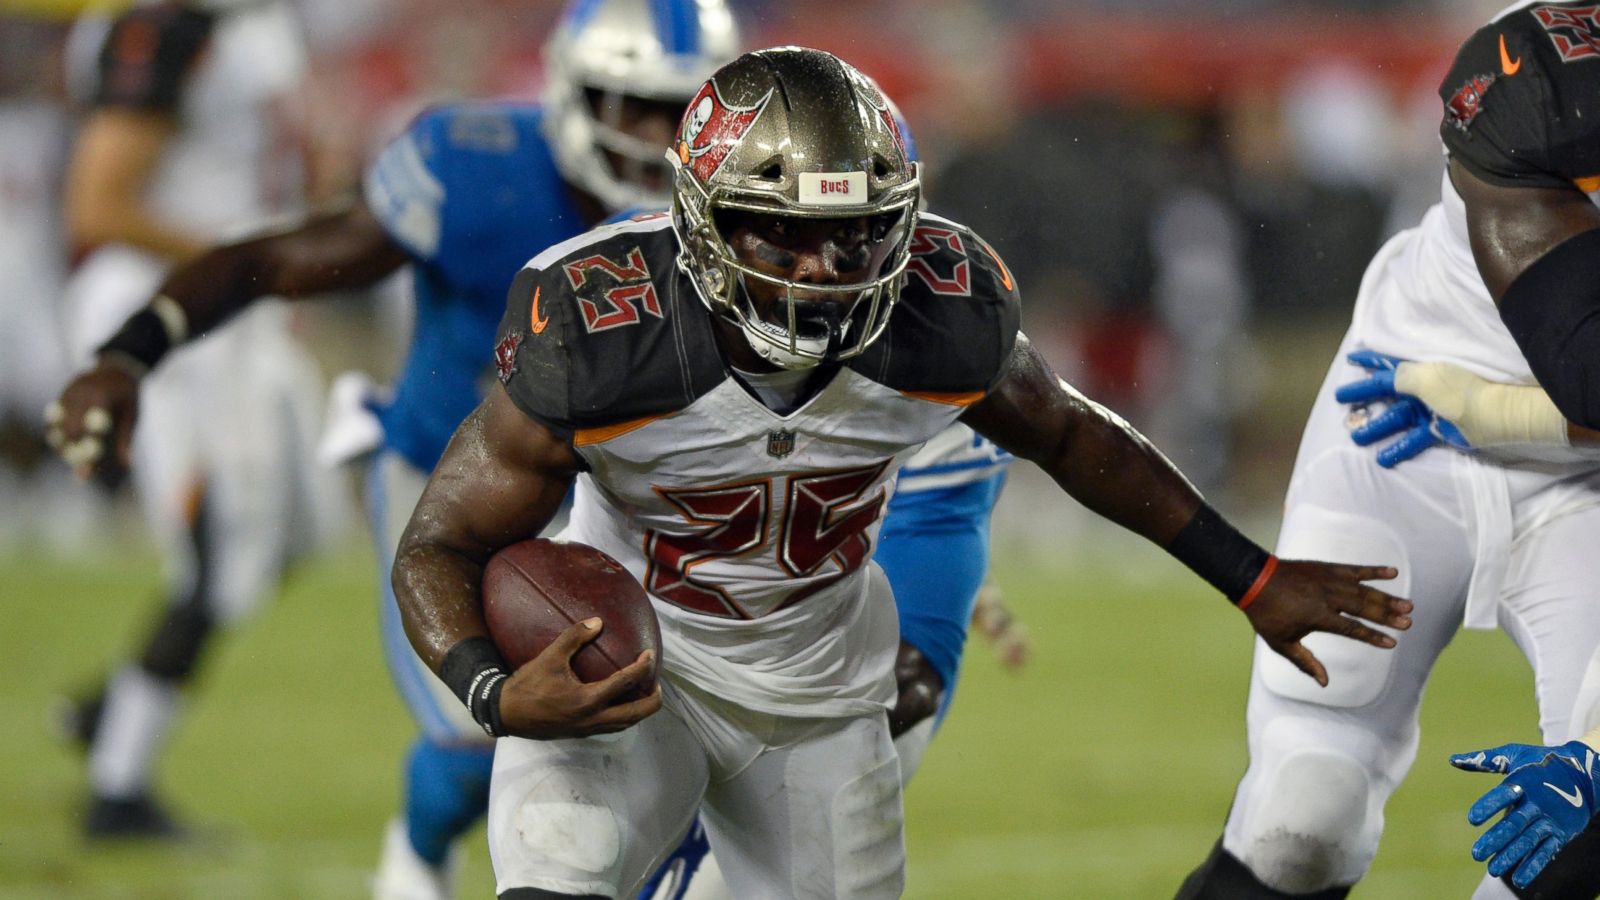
(1303, 596)
(91, 424)
(1007, 636)
(1546, 804)
(544, 699)
(919, 687)
(1417, 424)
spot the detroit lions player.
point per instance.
(595, 147)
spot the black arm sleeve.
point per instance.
(147, 55)
(1553, 312)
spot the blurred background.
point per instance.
(1188, 194)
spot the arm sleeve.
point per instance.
(532, 353)
(1497, 124)
(147, 55)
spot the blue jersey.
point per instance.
(472, 192)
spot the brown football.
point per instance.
(534, 590)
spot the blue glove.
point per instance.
(1417, 424)
(1548, 797)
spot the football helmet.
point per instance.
(793, 132)
(606, 50)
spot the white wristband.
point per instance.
(173, 319)
(1487, 412)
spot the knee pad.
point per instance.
(447, 791)
(1357, 672)
(1311, 823)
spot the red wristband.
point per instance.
(1260, 582)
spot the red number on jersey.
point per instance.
(826, 519)
(927, 246)
(633, 290)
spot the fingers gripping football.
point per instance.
(545, 699)
(1304, 596)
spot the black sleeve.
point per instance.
(1515, 107)
(532, 354)
(147, 54)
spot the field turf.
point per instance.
(1103, 771)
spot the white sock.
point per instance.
(132, 730)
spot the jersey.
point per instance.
(1525, 115)
(469, 191)
(749, 530)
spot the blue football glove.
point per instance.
(1417, 424)
(1548, 797)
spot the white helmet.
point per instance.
(655, 50)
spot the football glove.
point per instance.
(1548, 797)
(1417, 424)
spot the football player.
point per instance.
(464, 196)
(185, 140)
(732, 388)
(1497, 282)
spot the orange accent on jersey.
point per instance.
(948, 398)
(1588, 185)
(1506, 64)
(537, 321)
(586, 436)
(1005, 274)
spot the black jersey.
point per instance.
(1522, 102)
(147, 54)
(605, 330)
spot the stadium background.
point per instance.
(1188, 194)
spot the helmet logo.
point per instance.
(833, 188)
(712, 128)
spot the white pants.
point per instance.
(794, 808)
(1518, 540)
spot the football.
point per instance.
(534, 590)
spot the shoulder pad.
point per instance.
(957, 319)
(603, 330)
(1522, 100)
(147, 54)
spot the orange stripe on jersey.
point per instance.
(1588, 185)
(948, 398)
(586, 436)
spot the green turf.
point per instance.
(1104, 771)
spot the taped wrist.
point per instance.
(149, 333)
(1226, 559)
(476, 672)
(1553, 312)
(1487, 413)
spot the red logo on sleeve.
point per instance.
(505, 356)
(1465, 104)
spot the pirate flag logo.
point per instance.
(712, 128)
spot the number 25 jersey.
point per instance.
(750, 530)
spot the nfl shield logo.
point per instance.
(780, 443)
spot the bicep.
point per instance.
(1512, 227)
(501, 480)
(113, 160)
(1028, 413)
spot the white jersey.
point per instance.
(752, 531)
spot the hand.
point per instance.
(919, 689)
(1302, 596)
(544, 700)
(95, 414)
(1546, 802)
(1006, 636)
(1417, 424)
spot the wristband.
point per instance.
(476, 672)
(149, 333)
(1226, 559)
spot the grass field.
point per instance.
(1103, 771)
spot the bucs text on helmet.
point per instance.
(606, 53)
(793, 132)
